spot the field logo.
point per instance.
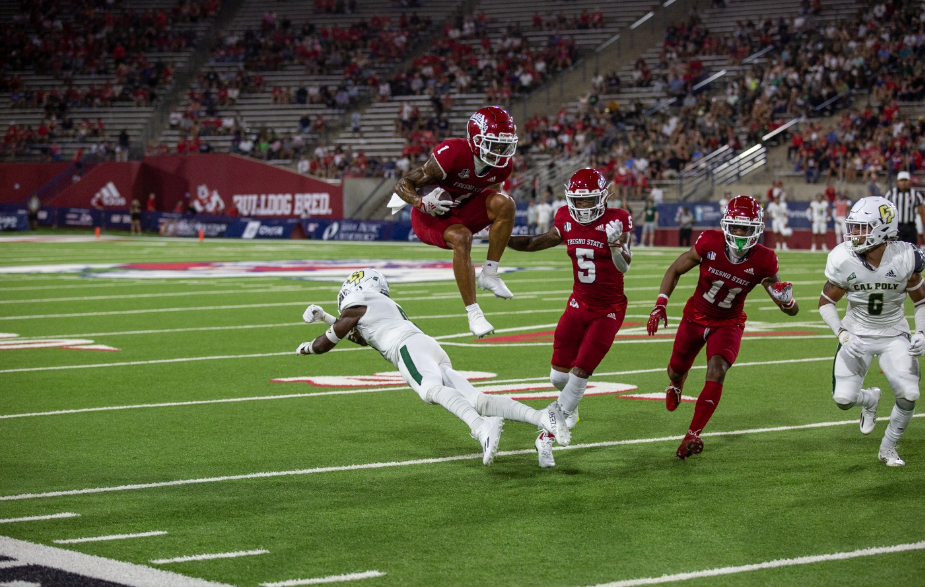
(108, 196)
(13, 342)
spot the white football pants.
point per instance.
(900, 369)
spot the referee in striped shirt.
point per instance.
(908, 203)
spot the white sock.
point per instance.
(457, 405)
(473, 308)
(865, 399)
(899, 419)
(507, 408)
(558, 379)
(571, 395)
(490, 267)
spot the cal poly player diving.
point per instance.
(876, 273)
(597, 240)
(369, 316)
(731, 263)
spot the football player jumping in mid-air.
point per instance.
(731, 263)
(468, 174)
(369, 316)
(875, 273)
(597, 240)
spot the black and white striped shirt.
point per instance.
(907, 203)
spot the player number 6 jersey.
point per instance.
(875, 296)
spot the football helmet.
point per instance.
(745, 214)
(492, 136)
(363, 280)
(586, 183)
(872, 221)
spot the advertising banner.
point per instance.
(264, 228)
(79, 217)
(14, 217)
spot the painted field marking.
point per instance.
(786, 562)
(37, 518)
(109, 537)
(281, 289)
(96, 567)
(205, 557)
(330, 579)
(430, 461)
(371, 390)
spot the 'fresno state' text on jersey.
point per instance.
(458, 164)
(597, 281)
(723, 285)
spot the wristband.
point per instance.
(659, 298)
(311, 348)
(331, 336)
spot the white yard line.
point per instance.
(775, 564)
(370, 390)
(38, 518)
(431, 461)
(109, 537)
(330, 579)
(96, 567)
(205, 557)
(285, 289)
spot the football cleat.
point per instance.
(869, 415)
(571, 418)
(889, 456)
(494, 284)
(553, 421)
(544, 450)
(478, 325)
(690, 446)
(489, 435)
(672, 397)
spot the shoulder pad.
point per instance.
(919, 264)
(352, 300)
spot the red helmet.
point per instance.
(492, 136)
(743, 213)
(586, 183)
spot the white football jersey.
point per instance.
(777, 211)
(384, 326)
(818, 211)
(875, 296)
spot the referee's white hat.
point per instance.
(902, 175)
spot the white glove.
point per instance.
(853, 346)
(782, 291)
(315, 313)
(433, 205)
(917, 345)
(614, 230)
(305, 348)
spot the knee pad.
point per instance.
(905, 404)
(845, 396)
(844, 406)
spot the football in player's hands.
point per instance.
(437, 202)
(917, 345)
(782, 291)
(614, 231)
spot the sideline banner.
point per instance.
(264, 228)
(14, 217)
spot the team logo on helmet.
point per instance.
(887, 213)
(479, 119)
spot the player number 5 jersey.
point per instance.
(384, 326)
(875, 296)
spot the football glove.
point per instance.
(305, 348)
(917, 345)
(853, 346)
(614, 230)
(782, 291)
(658, 314)
(433, 205)
(316, 313)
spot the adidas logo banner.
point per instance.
(108, 196)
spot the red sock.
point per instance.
(706, 405)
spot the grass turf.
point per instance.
(605, 513)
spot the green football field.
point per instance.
(143, 410)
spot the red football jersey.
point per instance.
(458, 163)
(597, 282)
(723, 285)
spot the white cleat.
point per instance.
(489, 435)
(889, 456)
(869, 415)
(544, 450)
(495, 285)
(478, 325)
(571, 418)
(553, 421)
